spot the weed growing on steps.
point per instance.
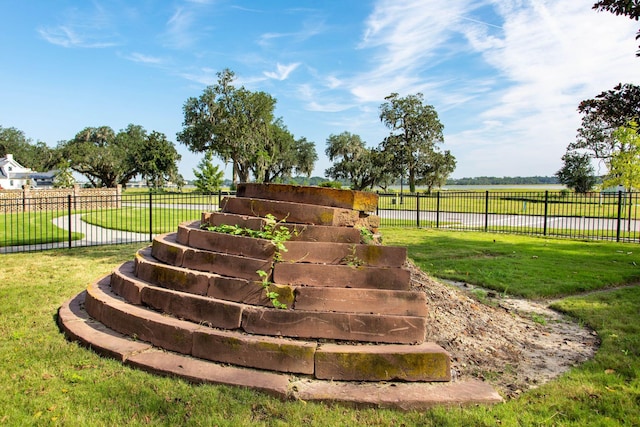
(276, 233)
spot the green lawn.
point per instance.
(32, 228)
(46, 380)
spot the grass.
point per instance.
(32, 228)
(46, 380)
(532, 267)
(138, 220)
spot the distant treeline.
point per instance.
(479, 180)
(505, 180)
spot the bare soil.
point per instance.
(513, 344)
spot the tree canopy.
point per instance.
(238, 126)
(108, 159)
(604, 114)
(36, 156)
(577, 172)
(415, 134)
(624, 165)
(363, 167)
(208, 176)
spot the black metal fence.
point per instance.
(74, 221)
(600, 216)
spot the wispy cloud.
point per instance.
(83, 29)
(282, 71)
(145, 59)
(310, 28)
(179, 32)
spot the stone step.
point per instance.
(423, 362)
(347, 199)
(165, 248)
(311, 233)
(226, 243)
(79, 326)
(212, 285)
(354, 300)
(198, 340)
(296, 251)
(345, 254)
(361, 327)
(348, 300)
(343, 276)
(201, 334)
(268, 321)
(200, 309)
(297, 213)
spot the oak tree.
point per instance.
(416, 132)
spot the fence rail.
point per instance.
(74, 221)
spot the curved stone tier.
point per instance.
(196, 298)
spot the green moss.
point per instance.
(427, 366)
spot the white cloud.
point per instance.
(535, 62)
(282, 71)
(146, 59)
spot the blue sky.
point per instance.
(505, 76)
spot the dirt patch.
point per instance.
(513, 344)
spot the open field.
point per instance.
(45, 380)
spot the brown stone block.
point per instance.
(124, 283)
(307, 232)
(347, 199)
(338, 326)
(405, 396)
(171, 277)
(183, 231)
(293, 212)
(230, 244)
(202, 371)
(213, 312)
(78, 326)
(275, 354)
(345, 254)
(354, 300)
(424, 362)
(166, 249)
(162, 331)
(341, 276)
(94, 299)
(239, 290)
(323, 233)
(242, 221)
(225, 264)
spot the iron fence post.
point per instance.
(69, 217)
(546, 211)
(486, 210)
(438, 209)
(150, 216)
(619, 215)
(417, 210)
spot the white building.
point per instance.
(13, 176)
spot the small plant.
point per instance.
(366, 236)
(266, 284)
(537, 318)
(352, 259)
(275, 232)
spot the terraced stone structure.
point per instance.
(194, 305)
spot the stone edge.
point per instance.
(78, 326)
